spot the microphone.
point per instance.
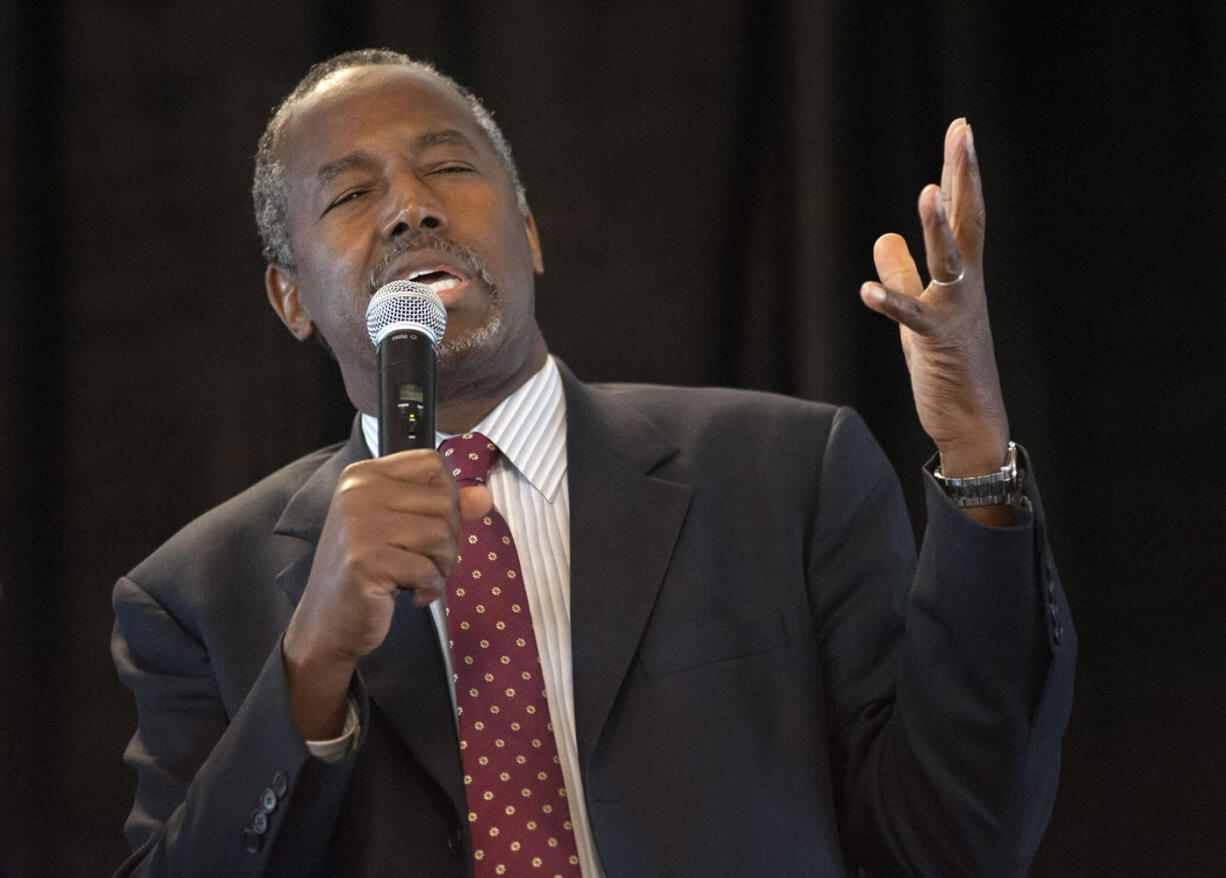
(405, 321)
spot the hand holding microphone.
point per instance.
(406, 322)
(393, 524)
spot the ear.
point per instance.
(534, 243)
(282, 289)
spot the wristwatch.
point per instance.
(994, 489)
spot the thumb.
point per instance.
(475, 501)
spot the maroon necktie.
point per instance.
(517, 810)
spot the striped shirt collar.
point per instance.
(529, 428)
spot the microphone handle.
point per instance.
(406, 391)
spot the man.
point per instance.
(743, 668)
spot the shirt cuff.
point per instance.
(335, 749)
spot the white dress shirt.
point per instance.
(528, 482)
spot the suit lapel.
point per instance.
(624, 525)
(304, 514)
(405, 677)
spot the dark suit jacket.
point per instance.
(767, 680)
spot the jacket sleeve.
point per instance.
(954, 695)
(217, 794)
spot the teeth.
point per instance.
(445, 282)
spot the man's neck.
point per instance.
(463, 408)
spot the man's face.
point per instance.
(390, 177)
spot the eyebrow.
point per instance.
(330, 170)
(359, 158)
(445, 137)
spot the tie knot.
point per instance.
(469, 456)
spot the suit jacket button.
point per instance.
(455, 842)
(280, 784)
(252, 841)
(268, 800)
(259, 821)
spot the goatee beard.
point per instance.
(471, 262)
(451, 349)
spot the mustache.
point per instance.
(469, 261)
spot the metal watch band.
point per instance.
(995, 489)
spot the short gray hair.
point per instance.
(268, 189)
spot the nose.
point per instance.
(412, 208)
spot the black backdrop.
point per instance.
(709, 179)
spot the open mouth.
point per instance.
(437, 279)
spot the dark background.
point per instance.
(708, 179)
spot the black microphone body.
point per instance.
(406, 391)
(405, 321)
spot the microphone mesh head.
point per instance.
(403, 304)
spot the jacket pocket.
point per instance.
(715, 643)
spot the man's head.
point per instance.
(268, 188)
(377, 168)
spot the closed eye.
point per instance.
(351, 195)
(452, 168)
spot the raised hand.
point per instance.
(944, 325)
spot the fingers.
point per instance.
(950, 160)
(407, 503)
(393, 525)
(962, 189)
(434, 537)
(952, 215)
(391, 567)
(945, 334)
(952, 218)
(895, 267)
(940, 248)
(898, 294)
(906, 310)
(419, 466)
(475, 501)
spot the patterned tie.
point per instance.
(517, 809)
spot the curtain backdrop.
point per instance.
(708, 179)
